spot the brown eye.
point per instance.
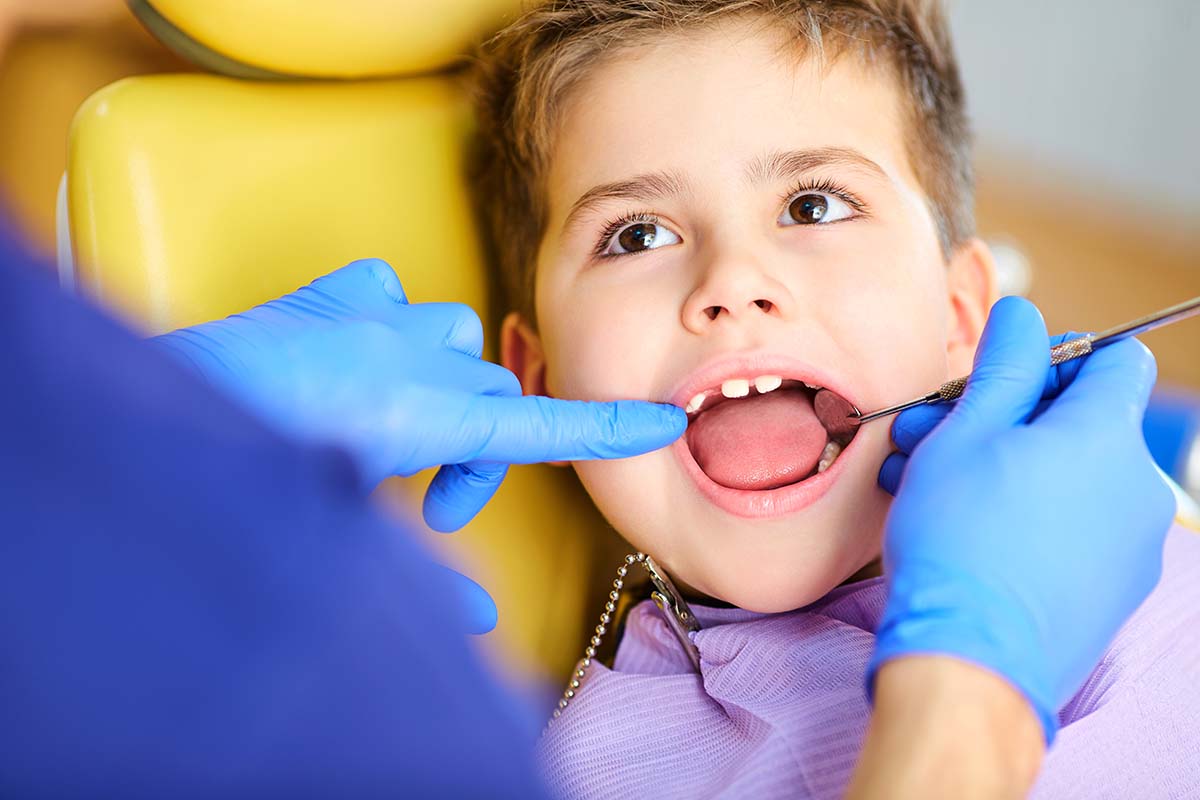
(808, 209)
(639, 236)
(815, 208)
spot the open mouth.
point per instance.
(765, 433)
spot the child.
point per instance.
(732, 206)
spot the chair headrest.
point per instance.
(322, 38)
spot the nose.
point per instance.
(734, 290)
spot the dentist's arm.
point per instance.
(945, 728)
(348, 360)
(1028, 526)
(193, 606)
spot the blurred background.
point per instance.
(1087, 126)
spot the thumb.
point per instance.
(1010, 368)
(477, 605)
(370, 289)
(459, 492)
(364, 289)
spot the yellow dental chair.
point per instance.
(191, 197)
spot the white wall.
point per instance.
(1104, 89)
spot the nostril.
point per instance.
(713, 312)
(765, 305)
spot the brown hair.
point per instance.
(526, 71)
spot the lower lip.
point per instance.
(767, 503)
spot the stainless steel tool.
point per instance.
(1067, 351)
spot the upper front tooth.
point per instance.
(695, 403)
(737, 387)
(767, 383)
(808, 385)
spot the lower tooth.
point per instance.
(828, 456)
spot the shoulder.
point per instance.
(1160, 644)
(1129, 732)
(1173, 607)
(1168, 623)
(1172, 611)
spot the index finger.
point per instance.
(1112, 386)
(528, 430)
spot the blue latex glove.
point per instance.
(1029, 520)
(193, 606)
(402, 387)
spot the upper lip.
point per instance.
(751, 365)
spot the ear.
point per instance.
(521, 353)
(970, 293)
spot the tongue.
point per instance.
(758, 443)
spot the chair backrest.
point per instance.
(323, 38)
(190, 197)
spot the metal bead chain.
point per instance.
(589, 652)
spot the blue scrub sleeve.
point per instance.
(191, 605)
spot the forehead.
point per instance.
(709, 102)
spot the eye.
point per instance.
(634, 236)
(815, 208)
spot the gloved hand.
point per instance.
(402, 387)
(1029, 519)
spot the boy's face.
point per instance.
(759, 218)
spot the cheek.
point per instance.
(603, 343)
(639, 497)
(892, 323)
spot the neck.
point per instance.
(873, 569)
(693, 596)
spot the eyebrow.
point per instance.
(776, 166)
(793, 163)
(640, 188)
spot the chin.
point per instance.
(771, 584)
(779, 559)
(782, 564)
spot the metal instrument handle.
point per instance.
(1059, 354)
(1067, 351)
